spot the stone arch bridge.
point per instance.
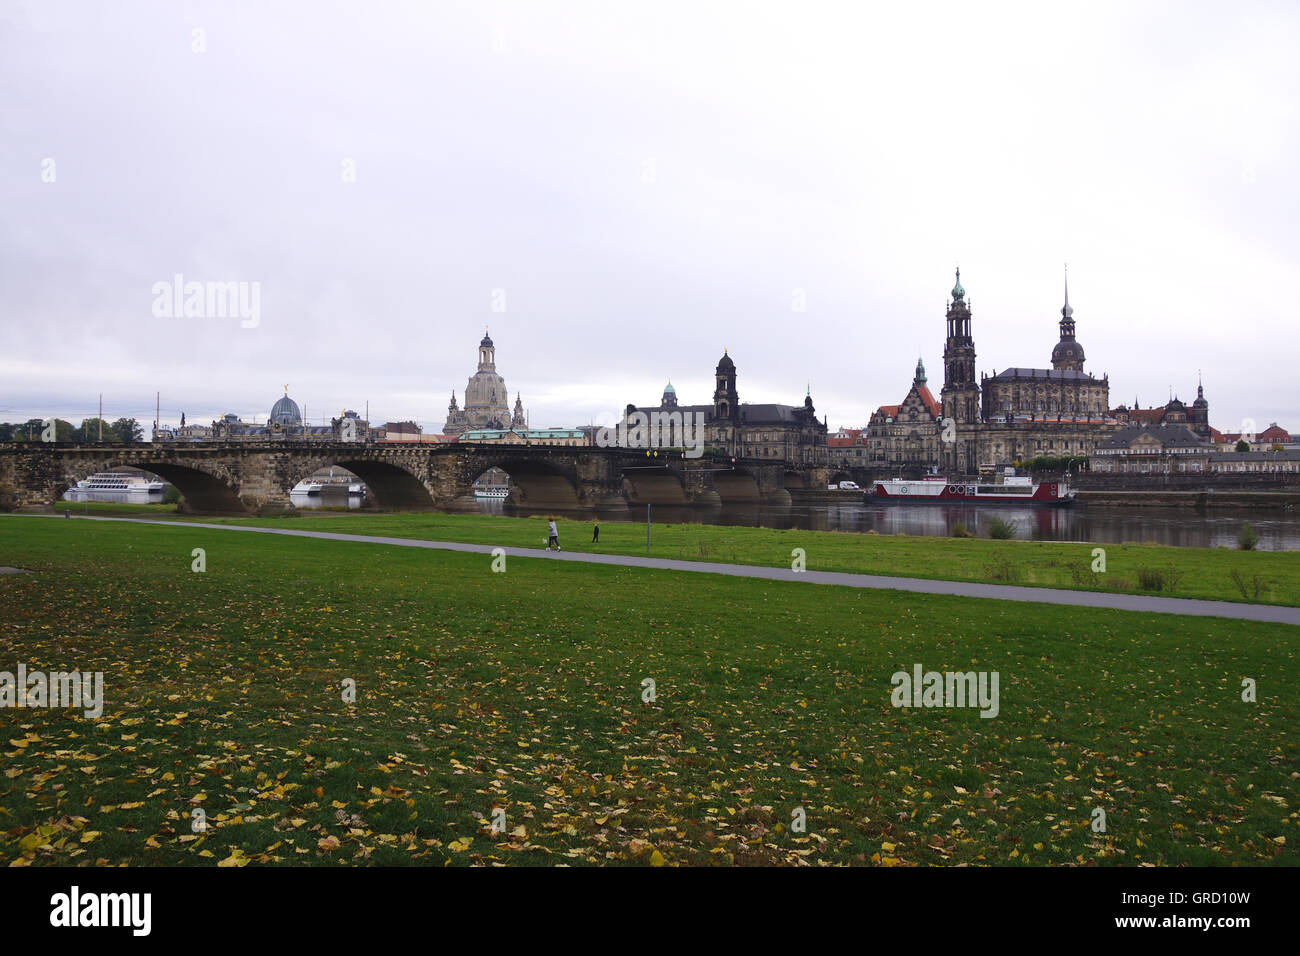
(253, 477)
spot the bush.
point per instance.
(1150, 579)
(1248, 538)
(1155, 579)
(171, 495)
(1055, 463)
(1249, 588)
(1002, 529)
(959, 530)
(1000, 569)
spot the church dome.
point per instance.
(957, 291)
(487, 341)
(1067, 350)
(285, 412)
(726, 361)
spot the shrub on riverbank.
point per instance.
(1248, 538)
(1159, 579)
(1000, 529)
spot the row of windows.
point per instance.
(1234, 467)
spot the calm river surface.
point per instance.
(1104, 524)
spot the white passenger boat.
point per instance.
(942, 491)
(118, 481)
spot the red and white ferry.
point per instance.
(942, 491)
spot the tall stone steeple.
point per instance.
(1068, 354)
(726, 403)
(519, 420)
(960, 395)
(1199, 416)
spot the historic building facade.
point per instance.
(1196, 418)
(486, 399)
(906, 434)
(788, 433)
(566, 437)
(1142, 449)
(285, 422)
(1010, 416)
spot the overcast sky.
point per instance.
(646, 184)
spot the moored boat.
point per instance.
(942, 491)
(119, 481)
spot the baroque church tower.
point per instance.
(1068, 354)
(960, 396)
(486, 397)
(726, 403)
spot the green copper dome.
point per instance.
(669, 388)
(957, 291)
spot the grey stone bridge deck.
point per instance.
(241, 477)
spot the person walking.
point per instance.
(595, 530)
(554, 538)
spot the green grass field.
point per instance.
(1262, 577)
(523, 691)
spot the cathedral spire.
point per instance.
(1068, 354)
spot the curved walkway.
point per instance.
(1273, 614)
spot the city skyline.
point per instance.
(249, 410)
(799, 196)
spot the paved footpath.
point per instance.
(1004, 592)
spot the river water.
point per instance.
(1103, 524)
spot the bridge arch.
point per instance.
(536, 482)
(389, 484)
(647, 484)
(200, 490)
(738, 485)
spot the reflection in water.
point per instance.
(1104, 524)
(335, 497)
(327, 498)
(120, 497)
(1278, 530)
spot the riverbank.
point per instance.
(1279, 500)
(1219, 574)
(614, 715)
